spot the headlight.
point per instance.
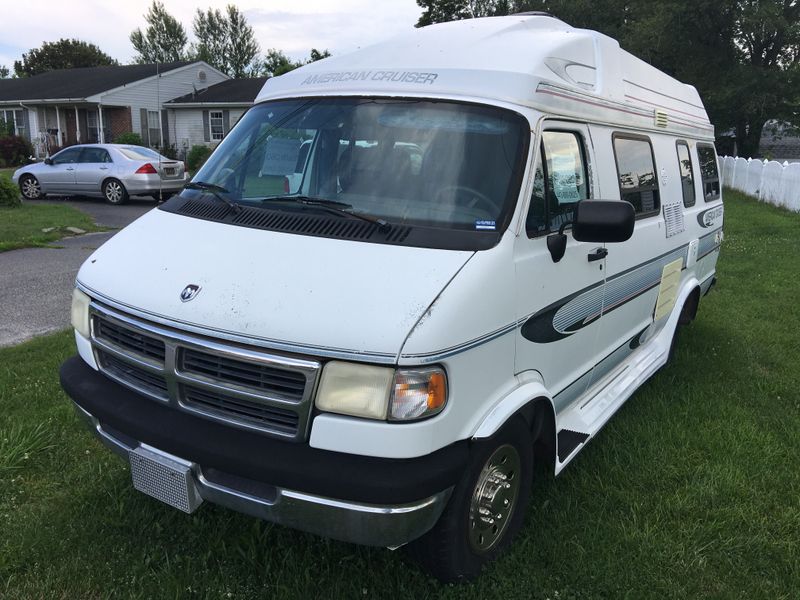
(354, 389)
(80, 312)
(381, 393)
(418, 393)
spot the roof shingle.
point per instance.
(78, 83)
(243, 91)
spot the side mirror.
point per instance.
(603, 221)
(48, 161)
(595, 221)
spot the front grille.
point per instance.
(286, 384)
(239, 385)
(129, 339)
(134, 376)
(245, 411)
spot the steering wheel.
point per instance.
(475, 200)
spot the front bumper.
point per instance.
(364, 500)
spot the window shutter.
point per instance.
(164, 127)
(206, 127)
(226, 122)
(145, 132)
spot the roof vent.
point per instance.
(201, 75)
(662, 120)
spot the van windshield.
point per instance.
(412, 162)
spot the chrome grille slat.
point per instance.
(243, 387)
(259, 377)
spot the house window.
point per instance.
(154, 127)
(215, 125)
(708, 171)
(14, 121)
(636, 169)
(559, 183)
(92, 132)
(687, 174)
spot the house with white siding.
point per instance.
(96, 104)
(205, 116)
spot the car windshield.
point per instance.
(415, 162)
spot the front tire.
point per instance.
(30, 188)
(114, 192)
(486, 509)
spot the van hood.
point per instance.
(297, 292)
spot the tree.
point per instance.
(63, 54)
(440, 11)
(164, 39)
(225, 40)
(4, 72)
(317, 55)
(277, 63)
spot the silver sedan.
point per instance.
(110, 171)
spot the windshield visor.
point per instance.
(411, 162)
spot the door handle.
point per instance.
(104, 168)
(598, 254)
(70, 168)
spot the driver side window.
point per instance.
(560, 181)
(70, 155)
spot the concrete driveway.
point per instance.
(36, 283)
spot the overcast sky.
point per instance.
(294, 26)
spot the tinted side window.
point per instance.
(70, 155)
(636, 168)
(708, 171)
(95, 155)
(559, 183)
(687, 174)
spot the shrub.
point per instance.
(15, 150)
(197, 156)
(9, 193)
(170, 151)
(134, 139)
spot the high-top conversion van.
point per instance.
(405, 275)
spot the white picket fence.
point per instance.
(768, 180)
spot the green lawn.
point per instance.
(8, 171)
(21, 227)
(692, 491)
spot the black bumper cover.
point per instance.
(295, 466)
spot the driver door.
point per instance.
(559, 304)
(59, 178)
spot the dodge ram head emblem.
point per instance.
(190, 292)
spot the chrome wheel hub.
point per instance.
(494, 498)
(30, 188)
(113, 192)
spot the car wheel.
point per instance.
(486, 508)
(30, 188)
(114, 192)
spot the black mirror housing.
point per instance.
(48, 161)
(603, 221)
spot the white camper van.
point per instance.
(406, 275)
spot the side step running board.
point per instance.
(568, 441)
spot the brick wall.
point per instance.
(119, 121)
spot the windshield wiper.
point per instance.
(334, 206)
(215, 190)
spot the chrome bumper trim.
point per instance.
(389, 526)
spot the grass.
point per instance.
(691, 491)
(8, 171)
(21, 227)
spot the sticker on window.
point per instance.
(564, 178)
(486, 225)
(280, 156)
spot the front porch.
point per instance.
(66, 125)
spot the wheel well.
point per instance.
(541, 420)
(689, 310)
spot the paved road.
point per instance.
(36, 283)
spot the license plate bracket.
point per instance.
(164, 477)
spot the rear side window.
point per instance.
(95, 155)
(636, 169)
(687, 174)
(708, 171)
(559, 183)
